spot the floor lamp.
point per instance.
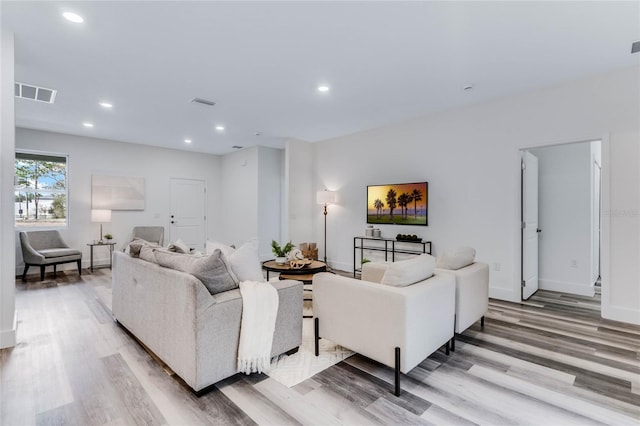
(325, 198)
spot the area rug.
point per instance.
(293, 369)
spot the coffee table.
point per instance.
(303, 274)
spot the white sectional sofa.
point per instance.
(195, 333)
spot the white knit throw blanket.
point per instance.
(259, 311)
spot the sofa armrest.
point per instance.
(472, 293)
(29, 254)
(374, 271)
(373, 319)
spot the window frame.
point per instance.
(19, 227)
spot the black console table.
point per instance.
(391, 245)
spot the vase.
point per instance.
(281, 260)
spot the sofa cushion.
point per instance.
(411, 271)
(213, 270)
(245, 262)
(58, 252)
(456, 259)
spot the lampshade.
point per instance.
(103, 216)
(326, 197)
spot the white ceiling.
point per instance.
(262, 62)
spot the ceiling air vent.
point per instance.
(203, 101)
(35, 93)
(635, 47)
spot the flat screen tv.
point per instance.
(398, 204)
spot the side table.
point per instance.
(110, 244)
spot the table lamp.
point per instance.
(101, 216)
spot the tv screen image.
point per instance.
(398, 204)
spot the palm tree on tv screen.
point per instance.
(378, 204)
(417, 196)
(391, 201)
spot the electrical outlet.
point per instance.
(496, 266)
(573, 263)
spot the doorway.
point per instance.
(560, 218)
(188, 212)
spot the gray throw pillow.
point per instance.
(136, 245)
(214, 271)
(147, 253)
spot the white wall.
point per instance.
(470, 157)
(269, 208)
(89, 156)
(565, 210)
(8, 321)
(239, 197)
(251, 197)
(299, 192)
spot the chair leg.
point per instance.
(55, 270)
(397, 371)
(41, 272)
(482, 322)
(316, 329)
(24, 273)
(446, 348)
(453, 343)
(79, 267)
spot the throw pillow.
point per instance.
(245, 262)
(213, 270)
(407, 272)
(147, 253)
(211, 246)
(456, 259)
(136, 244)
(179, 247)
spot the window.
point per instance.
(40, 190)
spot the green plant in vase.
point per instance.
(281, 252)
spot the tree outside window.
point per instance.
(41, 190)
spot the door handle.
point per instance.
(538, 230)
(173, 221)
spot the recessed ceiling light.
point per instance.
(220, 128)
(106, 105)
(187, 141)
(87, 124)
(73, 17)
(323, 89)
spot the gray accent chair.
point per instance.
(44, 248)
(153, 234)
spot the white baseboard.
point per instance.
(503, 294)
(8, 337)
(566, 287)
(619, 313)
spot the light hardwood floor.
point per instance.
(550, 361)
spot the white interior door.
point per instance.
(188, 214)
(529, 225)
(596, 223)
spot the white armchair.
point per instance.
(396, 326)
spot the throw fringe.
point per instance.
(254, 365)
